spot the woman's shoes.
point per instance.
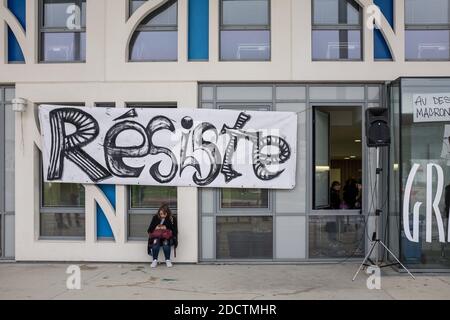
(155, 264)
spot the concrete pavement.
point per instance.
(211, 282)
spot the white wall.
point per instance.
(107, 77)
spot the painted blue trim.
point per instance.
(103, 228)
(198, 34)
(381, 49)
(15, 53)
(387, 8)
(17, 7)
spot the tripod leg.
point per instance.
(392, 254)
(364, 261)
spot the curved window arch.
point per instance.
(337, 30)
(156, 38)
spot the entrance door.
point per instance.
(7, 156)
(336, 227)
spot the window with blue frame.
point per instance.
(156, 38)
(62, 30)
(245, 30)
(336, 30)
(427, 30)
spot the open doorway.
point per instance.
(335, 224)
(337, 158)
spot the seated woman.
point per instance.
(159, 235)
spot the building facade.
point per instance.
(320, 58)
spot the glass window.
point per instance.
(245, 30)
(156, 38)
(135, 4)
(337, 158)
(250, 12)
(63, 195)
(336, 236)
(152, 196)
(427, 35)
(422, 141)
(65, 225)
(63, 31)
(244, 198)
(427, 12)
(244, 237)
(336, 33)
(427, 44)
(62, 212)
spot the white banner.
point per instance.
(431, 107)
(171, 147)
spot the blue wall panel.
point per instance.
(17, 7)
(103, 228)
(382, 51)
(381, 48)
(198, 32)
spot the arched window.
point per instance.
(156, 38)
(337, 30)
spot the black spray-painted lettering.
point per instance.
(114, 154)
(266, 150)
(69, 146)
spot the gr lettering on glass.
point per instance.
(432, 204)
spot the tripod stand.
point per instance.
(376, 241)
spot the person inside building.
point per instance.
(335, 197)
(358, 203)
(162, 232)
(350, 193)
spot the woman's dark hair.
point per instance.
(165, 208)
(335, 183)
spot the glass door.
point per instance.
(7, 178)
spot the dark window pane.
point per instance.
(154, 46)
(336, 236)
(244, 238)
(427, 44)
(56, 15)
(246, 12)
(165, 16)
(336, 12)
(244, 198)
(245, 45)
(153, 197)
(62, 225)
(63, 195)
(138, 225)
(64, 46)
(427, 12)
(336, 44)
(135, 4)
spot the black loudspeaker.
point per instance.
(377, 127)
